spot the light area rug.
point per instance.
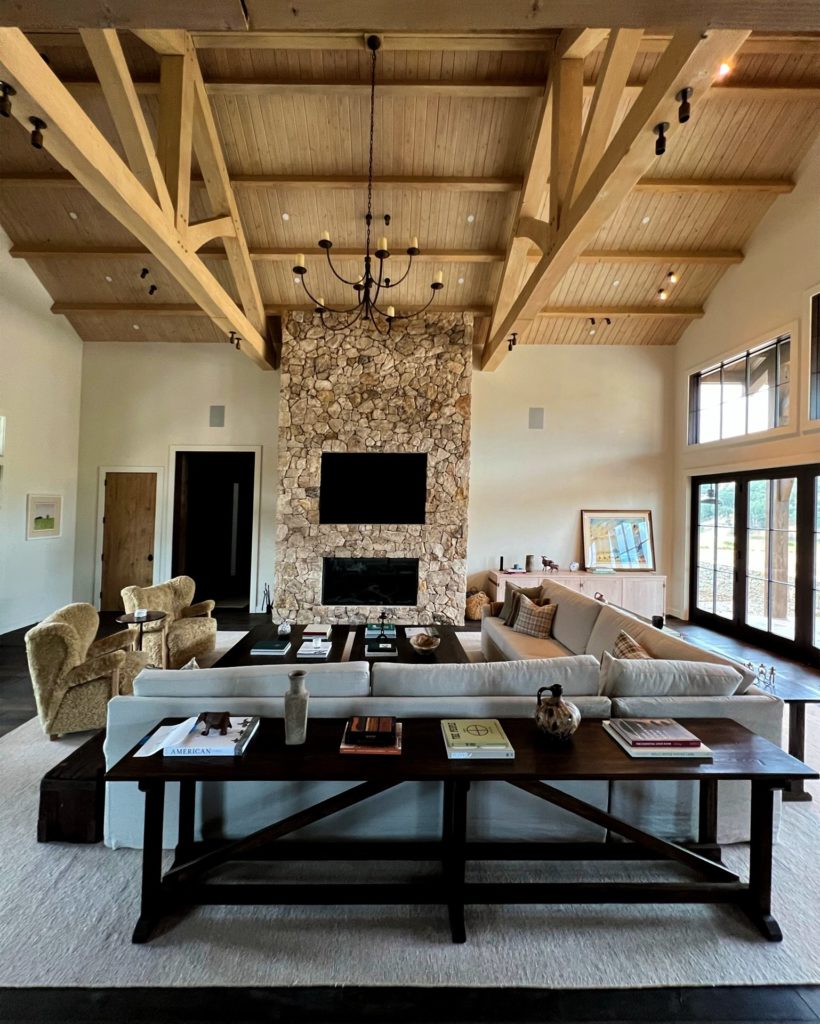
(67, 912)
(471, 642)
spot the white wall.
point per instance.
(40, 367)
(604, 445)
(139, 400)
(766, 295)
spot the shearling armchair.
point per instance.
(186, 632)
(74, 675)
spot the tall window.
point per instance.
(814, 384)
(756, 556)
(743, 395)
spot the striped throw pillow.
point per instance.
(627, 648)
(534, 620)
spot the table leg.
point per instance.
(187, 812)
(759, 897)
(707, 811)
(150, 911)
(139, 635)
(454, 836)
(796, 790)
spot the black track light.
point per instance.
(5, 99)
(684, 111)
(592, 320)
(660, 143)
(512, 342)
(37, 131)
(152, 289)
(607, 321)
(144, 272)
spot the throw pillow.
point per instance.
(533, 619)
(193, 663)
(626, 647)
(659, 678)
(510, 610)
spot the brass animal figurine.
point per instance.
(549, 565)
(215, 720)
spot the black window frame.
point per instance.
(814, 374)
(694, 390)
(802, 647)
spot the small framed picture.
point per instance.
(44, 514)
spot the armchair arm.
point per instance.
(200, 608)
(108, 644)
(94, 668)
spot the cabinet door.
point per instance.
(645, 595)
(572, 580)
(610, 586)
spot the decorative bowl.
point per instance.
(424, 644)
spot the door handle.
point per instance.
(150, 558)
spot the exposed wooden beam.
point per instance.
(739, 90)
(204, 231)
(622, 46)
(74, 141)
(692, 58)
(674, 257)
(578, 44)
(622, 312)
(23, 179)
(471, 89)
(174, 132)
(567, 110)
(105, 50)
(184, 309)
(53, 15)
(167, 42)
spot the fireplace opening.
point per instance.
(370, 581)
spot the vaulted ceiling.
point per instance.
(471, 130)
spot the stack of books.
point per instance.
(371, 734)
(272, 648)
(307, 650)
(380, 649)
(655, 737)
(188, 739)
(372, 630)
(313, 629)
(475, 738)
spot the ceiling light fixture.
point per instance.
(663, 295)
(370, 285)
(144, 272)
(672, 277)
(470, 218)
(592, 330)
(513, 341)
(72, 215)
(285, 216)
(5, 101)
(724, 70)
(109, 278)
(646, 219)
(136, 326)
(684, 110)
(460, 280)
(37, 131)
(660, 130)
(607, 321)
(152, 289)
(615, 284)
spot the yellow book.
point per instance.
(475, 738)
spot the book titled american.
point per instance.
(475, 738)
(351, 744)
(701, 750)
(654, 732)
(188, 739)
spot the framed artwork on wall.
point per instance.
(621, 541)
(44, 514)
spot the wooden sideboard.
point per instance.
(643, 593)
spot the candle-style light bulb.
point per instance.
(300, 259)
(325, 236)
(439, 278)
(321, 300)
(414, 242)
(391, 311)
(383, 243)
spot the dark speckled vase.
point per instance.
(555, 717)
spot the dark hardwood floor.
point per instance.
(738, 1005)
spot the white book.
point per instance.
(307, 650)
(188, 740)
(475, 738)
(703, 752)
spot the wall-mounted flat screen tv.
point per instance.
(373, 487)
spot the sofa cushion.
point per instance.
(345, 679)
(533, 619)
(659, 678)
(575, 617)
(577, 675)
(511, 646)
(512, 595)
(626, 647)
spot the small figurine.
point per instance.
(215, 720)
(549, 565)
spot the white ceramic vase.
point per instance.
(296, 709)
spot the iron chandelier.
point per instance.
(370, 286)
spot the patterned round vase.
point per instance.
(555, 717)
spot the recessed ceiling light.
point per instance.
(285, 216)
(470, 218)
(136, 326)
(72, 215)
(109, 278)
(662, 294)
(645, 220)
(592, 330)
(461, 280)
(615, 284)
(296, 279)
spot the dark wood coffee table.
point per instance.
(797, 693)
(449, 651)
(738, 754)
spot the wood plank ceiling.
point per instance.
(455, 124)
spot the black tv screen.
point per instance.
(373, 487)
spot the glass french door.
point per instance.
(756, 557)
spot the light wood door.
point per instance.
(128, 535)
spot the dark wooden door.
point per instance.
(128, 535)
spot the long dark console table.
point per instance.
(738, 754)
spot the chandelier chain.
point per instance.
(369, 217)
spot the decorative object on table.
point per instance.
(215, 720)
(283, 629)
(142, 617)
(574, 566)
(657, 621)
(615, 540)
(380, 631)
(370, 285)
(516, 567)
(476, 600)
(296, 709)
(555, 717)
(387, 745)
(766, 678)
(530, 563)
(266, 599)
(548, 565)
(423, 643)
(501, 563)
(44, 514)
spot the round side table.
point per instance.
(132, 619)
